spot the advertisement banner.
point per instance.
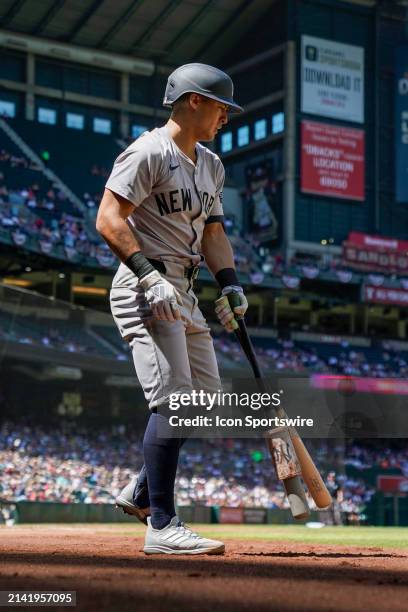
(332, 79)
(374, 260)
(332, 161)
(401, 124)
(378, 242)
(231, 515)
(392, 484)
(385, 295)
(254, 516)
(357, 384)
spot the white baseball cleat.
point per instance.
(178, 539)
(125, 501)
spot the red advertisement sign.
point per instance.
(357, 384)
(375, 253)
(385, 295)
(392, 484)
(231, 515)
(381, 243)
(332, 161)
(376, 260)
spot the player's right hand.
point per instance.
(162, 297)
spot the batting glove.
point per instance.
(162, 297)
(224, 312)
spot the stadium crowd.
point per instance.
(39, 210)
(364, 458)
(288, 356)
(36, 209)
(84, 466)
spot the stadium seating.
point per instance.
(83, 160)
(111, 335)
(274, 354)
(25, 318)
(73, 153)
(56, 334)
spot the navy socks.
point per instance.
(161, 453)
(141, 492)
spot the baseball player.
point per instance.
(161, 214)
(336, 491)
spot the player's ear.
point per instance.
(194, 100)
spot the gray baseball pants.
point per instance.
(169, 357)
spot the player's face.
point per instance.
(211, 117)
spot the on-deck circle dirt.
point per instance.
(109, 572)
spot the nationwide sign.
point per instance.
(375, 253)
(332, 161)
(384, 295)
(332, 79)
(401, 124)
(382, 243)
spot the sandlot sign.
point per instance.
(332, 161)
(375, 253)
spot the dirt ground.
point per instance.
(109, 572)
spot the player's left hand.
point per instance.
(223, 310)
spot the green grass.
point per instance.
(396, 537)
(378, 537)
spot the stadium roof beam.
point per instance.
(256, 59)
(83, 20)
(227, 24)
(169, 8)
(119, 23)
(49, 15)
(72, 53)
(12, 12)
(192, 23)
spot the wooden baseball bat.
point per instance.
(310, 473)
(294, 490)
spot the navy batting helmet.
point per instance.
(201, 79)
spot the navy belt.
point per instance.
(189, 273)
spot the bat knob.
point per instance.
(297, 498)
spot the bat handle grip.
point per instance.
(234, 301)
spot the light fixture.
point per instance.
(17, 282)
(89, 290)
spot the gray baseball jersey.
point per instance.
(174, 197)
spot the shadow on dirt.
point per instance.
(325, 555)
(221, 567)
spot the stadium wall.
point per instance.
(51, 512)
(383, 510)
